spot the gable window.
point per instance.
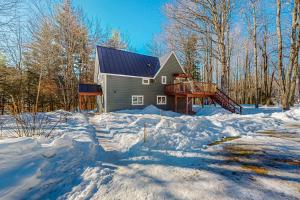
(161, 100)
(137, 100)
(146, 81)
(163, 80)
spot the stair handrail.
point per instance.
(230, 99)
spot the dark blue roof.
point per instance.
(114, 61)
(89, 88)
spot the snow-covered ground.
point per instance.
(42, 168)
(154, 154)
(166, 130)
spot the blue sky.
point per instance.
(139, 19)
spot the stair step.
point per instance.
(226, 102)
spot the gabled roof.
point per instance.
(119, 62)
(114, 61)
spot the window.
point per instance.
(161, 100)
(163, 80)
(137, 100)
(146, 81)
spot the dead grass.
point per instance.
(240, 151)
(226, 139)
(293, 136)
(288, 161)
(267, 131)
(255, 169)
(292, 126)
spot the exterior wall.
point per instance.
(119, 89)
(100, 79)
(97, 69)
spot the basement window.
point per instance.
(161, 100)
(146, 81)
(137, 100)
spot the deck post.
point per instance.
(187, 105)
(80, 101)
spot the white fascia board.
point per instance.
(163, 64)
(105, 93)
(128, 76)
(182, 68)
(96, 68)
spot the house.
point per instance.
(133, 81)
(130, 80)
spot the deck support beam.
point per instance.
(187, 105)
(80, 102)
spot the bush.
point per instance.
(36, 124)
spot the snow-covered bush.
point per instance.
(36, 124)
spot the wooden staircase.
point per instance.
(194, 89)
(226, 102)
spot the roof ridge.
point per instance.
(127, 51)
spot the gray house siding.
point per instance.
(99, 79)
(119, 89)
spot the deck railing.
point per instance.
(236, 108)
(191, 87)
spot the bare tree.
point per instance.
(7, 12)
(203, 15)
(116, 41)
(254, 38)
(286, 75)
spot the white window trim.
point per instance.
(164, 80)
(161, 96)
(146, 79)
(137, 103)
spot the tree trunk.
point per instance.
(265, 69)
(255, 59)
(224, 81)
(284, 102)
(286, 79)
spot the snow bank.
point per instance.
(188, 133)
(151, 110)
(45, 168)
(18, 145)
(209, 110)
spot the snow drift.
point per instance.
(38, 168)
(171, 131)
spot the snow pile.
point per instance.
(187, 133)
(69, 164)
(172, 163)
(92, 180)
(156, 111)
(151, 110)
(287, 116)
(209, 110)
(45, 168)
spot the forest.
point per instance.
(250, 49)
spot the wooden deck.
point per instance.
(185, 92)
(191, 89)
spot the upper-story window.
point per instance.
(163, 80)
(146, 81)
